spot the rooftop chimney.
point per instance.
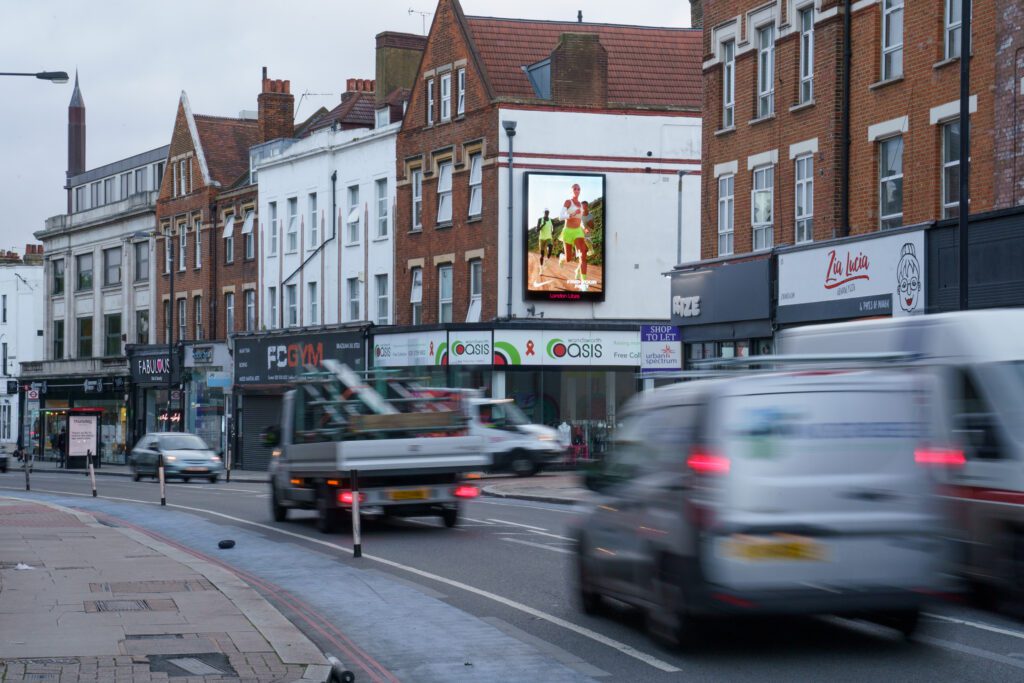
(276, 109)
(579, 71)
(696, 14)
(359, 85)
(398, 61)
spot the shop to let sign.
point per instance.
(661, 348)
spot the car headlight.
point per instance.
(215, 458)
(170, 457)
(545, 437)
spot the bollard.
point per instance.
(160, 473)
(227, 463)
(357, 545)
(92, 473)
(24, 462)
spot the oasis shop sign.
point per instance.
(566, 347)
(458, 347)
(881, 276)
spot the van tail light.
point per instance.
(466, 491)
(950, 458)
(346, 497)
(707, 463)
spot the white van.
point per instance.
(802, 492)
(515, 444)
(978, 360)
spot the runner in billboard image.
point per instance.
(571, 260)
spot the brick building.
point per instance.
(207, 244)
(481, 276)
(779, 181)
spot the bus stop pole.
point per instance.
(357, 544)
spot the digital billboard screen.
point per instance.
(564, 243)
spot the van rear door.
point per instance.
(822, 485)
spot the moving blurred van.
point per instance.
(802, 492)
(977, 358)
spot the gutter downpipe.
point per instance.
(510, 131)
(844, 189)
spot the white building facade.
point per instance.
(21, 337)
(326, 206)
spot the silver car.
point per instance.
(804, 492)
(184, 455)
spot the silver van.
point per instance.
(803, 492)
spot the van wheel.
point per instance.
(904, 621)
(668, 619)
(184, 480)
(278, 511)
(135, 474)
(522, 465)
(591, 601)
(450, 517)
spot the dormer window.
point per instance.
(539, 74)
(383, 117)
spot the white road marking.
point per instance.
(524, 526)
(531, 507)
(544, 533)
(583, 631)
(538, 545)
(975, 624)
(479, 521)
(432, 525)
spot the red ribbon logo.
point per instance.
(529, 348)
(431, 351)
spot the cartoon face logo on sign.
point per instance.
(908, 278)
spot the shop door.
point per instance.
(258, 413)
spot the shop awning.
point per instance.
(229, 227)
(247, 225)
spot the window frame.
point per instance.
(353, 228)
(766, 67)
(728, 84)
(476, 280)
(182, 306)
(107, 266)
(764, 229)
(889, 9)
(430, 101)
(953, 46)
(58, 339)
(803, 174)
(950, 209)
(382, 207)
(352, 285)
(312, 292)
(383, 298)
(197, 316)
(272, 212)
(291, 299)
(416, 294)
(446, 98)
(727, 210)
(142, 326)
(445, 303)
(81, 286)
(109, 336)
(460, 81)
(250, 238)
(476, 182)
(417, 199)
(141, 264)
(249, 297)
(292, 233)
(887, 221)
(182, 247)
(314, 223)
(197, 231)
(806, 86)
(444, 196)
(272, 307)
(58, 283)
(80, 337)
(229, 313)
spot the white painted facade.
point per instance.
(353, 243)
(641, 156)
(21, 330)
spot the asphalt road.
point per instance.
(509, 563)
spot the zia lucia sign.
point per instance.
(881, 276)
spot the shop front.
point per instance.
(571, 376)
(150, 367)
(206, 389)
(99, 384)
(724, 310)
(265, 366)
(879, 275)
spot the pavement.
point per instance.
(245, 476)
(81, 600)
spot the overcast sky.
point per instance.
(135, 57)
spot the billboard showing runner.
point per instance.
(564, 242)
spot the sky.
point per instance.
(134, 57)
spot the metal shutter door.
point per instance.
(258, 413)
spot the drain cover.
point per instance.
(122, 606)
(199, 664)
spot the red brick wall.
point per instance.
(925, 85)
(214, 273)
(419, 144)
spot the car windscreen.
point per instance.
(510, 412)
(182, 442)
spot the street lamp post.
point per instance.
(171, 347)
(52, 76)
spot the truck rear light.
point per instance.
(346, 497)
(707, 463)
(940, 457)
(466, 491)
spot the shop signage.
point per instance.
(411, 349)
(93, 386)
(566, 347)
(272, 359)
(872, 277)
(206, 355)
(81, 434)
(470, 347)
(731, 293)
(202, 355)
(150, 369)
(661, 348)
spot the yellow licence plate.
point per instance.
(777, 547)
(409, 494)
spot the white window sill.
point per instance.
(888, 81)
(381, 238)
(801, 106)
(725, 131)
(763, 119)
